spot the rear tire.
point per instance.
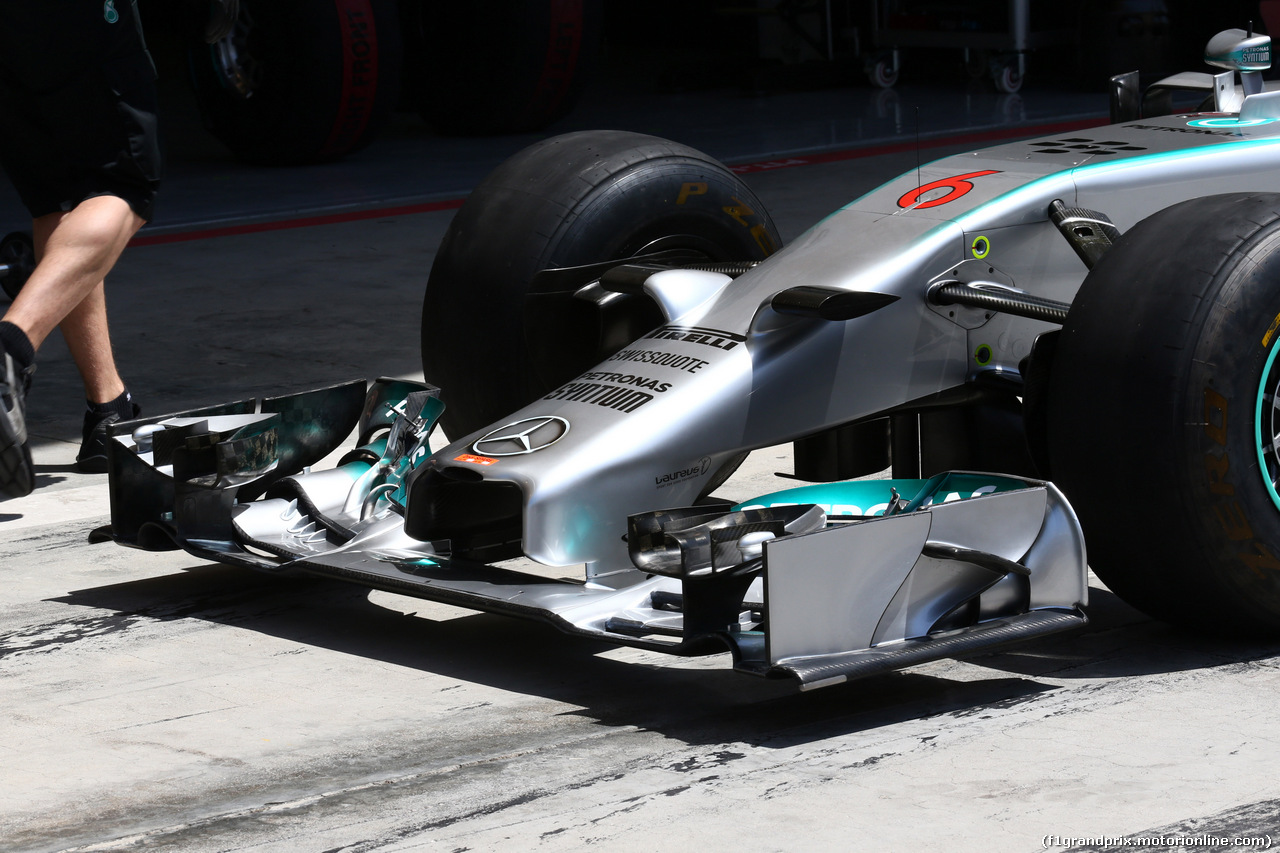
(1163, 417)
(575, 199)
(300, 81)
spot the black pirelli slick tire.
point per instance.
(576, 199)
(1164, 418)
(300, 81)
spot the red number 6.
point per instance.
(959, 185)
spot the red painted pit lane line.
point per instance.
(741, 169)
(300, 222)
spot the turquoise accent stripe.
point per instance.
(1157, 159)
(1257, 427)
(871, 497)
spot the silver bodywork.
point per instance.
(764, 378)
(819, 584)
(587, 470)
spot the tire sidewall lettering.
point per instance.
(690, 189)
(746, 217)
(760, 232)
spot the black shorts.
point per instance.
(75, 126)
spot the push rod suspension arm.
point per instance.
(996, 298)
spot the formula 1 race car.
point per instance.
(615, 328)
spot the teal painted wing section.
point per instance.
(872, 497)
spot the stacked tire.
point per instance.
(305, 81)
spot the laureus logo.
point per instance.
(109, 12)
(697, 469)
(523, 436)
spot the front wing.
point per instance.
(819, 584)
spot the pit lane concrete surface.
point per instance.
(158, 702)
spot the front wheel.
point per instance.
(1164, 414)
(494, 339)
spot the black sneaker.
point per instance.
(92, 458)
(17, 476)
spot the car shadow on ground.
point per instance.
(702, 701)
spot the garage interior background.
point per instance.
(471, 69)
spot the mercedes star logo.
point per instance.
(521, 437)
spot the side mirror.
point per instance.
(1237, 50)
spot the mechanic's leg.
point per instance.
(75, 250)
(85, 330)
